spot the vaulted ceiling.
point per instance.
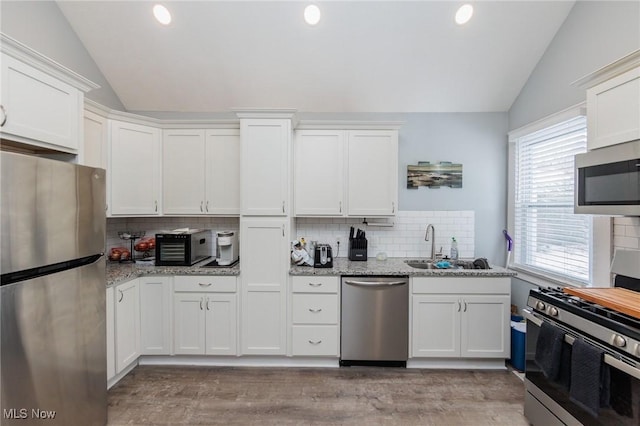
(378, 56)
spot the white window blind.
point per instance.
(549, 238)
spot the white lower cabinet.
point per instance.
(205, 315)
(155, 315)
(455, 317)
(315, 316)
(111, 335)
(127, 323)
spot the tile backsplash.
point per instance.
(154, 225)
(404, 239)
(626, 233)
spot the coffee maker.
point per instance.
(226, 248)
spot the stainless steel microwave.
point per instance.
(183, 248)
(607, 180)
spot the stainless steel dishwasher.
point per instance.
(374, 321)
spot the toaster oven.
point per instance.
(183, 248)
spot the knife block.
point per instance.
(358, 249)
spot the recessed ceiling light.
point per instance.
(162, 14)
(312, 14)
(464, 13)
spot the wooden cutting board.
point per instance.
(619, 299)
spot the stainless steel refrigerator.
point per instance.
(52, 293)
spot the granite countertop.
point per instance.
(395, 266)
(120, 272)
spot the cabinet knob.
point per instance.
(4, 115)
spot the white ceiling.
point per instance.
(380, 56)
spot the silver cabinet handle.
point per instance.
(315, 310)
(393, 207)
(340, 206)
(121, 296)
(204, 284)
(156, 205)
(208, 304)
(374, 284)
(459, 306)
(207, 206)
(4, 115)
(283, 207)
(283, 230)
(465, 306)
(315, 284)
(315, 342)
(201, 303)
(201, 206)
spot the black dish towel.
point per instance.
(549, 350)
(587, 383)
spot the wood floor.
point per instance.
(292, 396)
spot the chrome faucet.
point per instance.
(433, 240)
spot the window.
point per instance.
(549, 238)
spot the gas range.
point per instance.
(607, 326)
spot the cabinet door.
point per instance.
(127, 324)
(189, 323)
(436, 326)
(155, 315)
(40, 107)
(486, 328)
(223, 172)
(372, 173)
(111, 335)
(265, 162)
(319, 173)
(94, 151)
(264, 251)
(613, 110)
(183, 172)
(221, 324)
(134, 169)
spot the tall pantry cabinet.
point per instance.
(265, 226)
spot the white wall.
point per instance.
(594, 34)
(41, 26)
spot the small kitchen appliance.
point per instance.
(183, 247)
(226, 248)
(323, 256)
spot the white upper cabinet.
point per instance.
(372, 173)
(319, 173)
(613, 110)
(264, 165)
(346, 172)
(222, 172)
(39, 108)
(134, 169)
(183, 171)
(96, 130)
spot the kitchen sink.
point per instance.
(429, 264)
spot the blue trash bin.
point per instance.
(518, 338)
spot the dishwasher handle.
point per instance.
(374, 283)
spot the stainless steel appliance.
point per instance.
(226, 248)
(607, 180)
(52, 293)
(183, 248)
(549, 400)
(374, 321)
(323, 256)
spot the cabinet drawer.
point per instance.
(205, 283)
(318, 340)
(315, 308)
(461, 285)
(314, 284)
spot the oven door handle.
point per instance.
(608, 359)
